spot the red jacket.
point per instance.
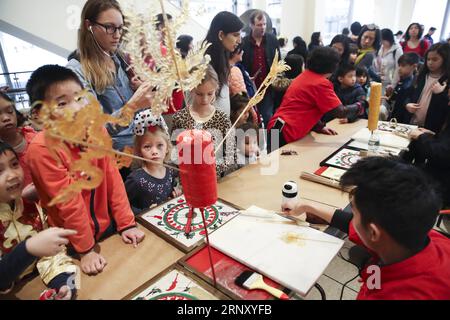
(90, 212)
(425, 276)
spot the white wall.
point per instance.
(53, 24)
(303, 17)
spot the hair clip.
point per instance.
(146, 121)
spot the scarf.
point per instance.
(362, 53)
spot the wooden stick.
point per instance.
(322, 180)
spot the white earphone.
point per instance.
(98, 45)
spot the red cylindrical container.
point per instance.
(197, 163)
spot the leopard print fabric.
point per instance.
(218, 126)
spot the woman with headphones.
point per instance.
(101, 66)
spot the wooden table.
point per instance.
(127, 269)
(253, 186)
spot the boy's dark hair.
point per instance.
(46, 76)
(410, 58)
(362, 71)
(295, 61)
(282, 42)
(6, 147)
(432, 29)
(396, 196)
(160, 20)
(323, 60)
(21, 119)
(346, 31)
(356, 28)
(344, 69)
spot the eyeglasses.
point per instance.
(110, 29)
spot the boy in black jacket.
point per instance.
(349, 91)
(407, 66)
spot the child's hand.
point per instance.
(328, 132)
(133, 236)
(49, 242)
(438, 88)
(412, 107)
(343, 121)
(93, 263)
(64, 293)
(177, 193)
(389, 91)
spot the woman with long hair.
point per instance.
(414, 41)
(299, 47)
(101, 65)
(316, 41)
(386, 61)
(224, 35)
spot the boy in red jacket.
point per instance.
(394, 209)
(94, 214)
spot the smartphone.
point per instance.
(279, 124)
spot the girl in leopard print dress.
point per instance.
(201, 114)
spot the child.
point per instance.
(238, 103)
(348, 91)
(394, 210)
(427, 106)
(93, 214)
(152, 184)
(407, 66)
(353, 53)
(363, 78)
(17, 254)
(308, 99)
(203, 115)
(13, 132)
(247, 144)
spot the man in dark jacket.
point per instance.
(259, 52)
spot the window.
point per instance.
(21, 58)
(274, 10)
(431, 15)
